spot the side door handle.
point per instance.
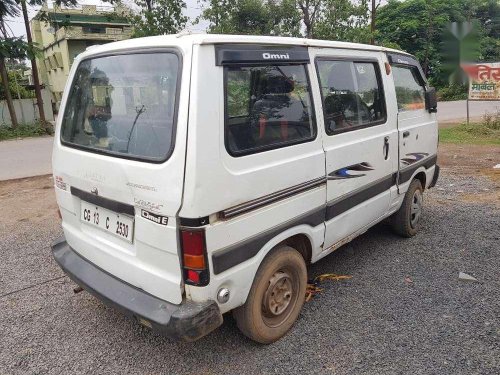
(386, 147)
(406, 134)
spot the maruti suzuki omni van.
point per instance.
(201, 174)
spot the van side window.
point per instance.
(410, 91)
(267, 106)
(352, 94)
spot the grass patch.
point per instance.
(485, 132)
(22, 131)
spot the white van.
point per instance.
(200, 174)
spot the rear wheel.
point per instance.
(406, 221)
(276, 297)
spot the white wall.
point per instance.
(26, 108)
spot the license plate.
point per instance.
(117, 224)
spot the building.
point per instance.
(67, 33)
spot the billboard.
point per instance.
(484, 81)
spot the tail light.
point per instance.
(194, 257)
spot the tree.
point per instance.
(344, 20)
(36, 80)
(418, 27)
(16, 88)
(158, 17)
(373, 18)
(218, 13)
(487, 13)
(310, 14)
(8, 96)
(8, 8)
(257, 17)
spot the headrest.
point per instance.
(277, 84)
(340, 77)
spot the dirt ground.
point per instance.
(473, 160)
(27, 199)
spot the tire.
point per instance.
(405, 221)
(276, 298)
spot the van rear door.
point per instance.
(119, 165)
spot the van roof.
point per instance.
(188, 39)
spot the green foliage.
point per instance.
(9, 8)
(485, 132)
(418, 27)
(21, 131)
(17, 48)
(158, 17)
(344, 20)
(15, 89)
(237, 97)
(389, 44)
(492, 121)
(452, 92)
(252, 17)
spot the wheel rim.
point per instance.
(279, 298)
(416, 208)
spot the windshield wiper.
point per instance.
(139, 111)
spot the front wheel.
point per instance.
(276, 297)
(405, 221)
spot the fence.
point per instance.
(26, 110)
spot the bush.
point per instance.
(452, 92)
(492, 121)
(16, 89)
(22, 131)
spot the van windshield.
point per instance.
(123, 105)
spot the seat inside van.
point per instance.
(277, 110)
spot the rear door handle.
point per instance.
(386, 147)
(406, 134)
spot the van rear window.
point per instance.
(124, 105)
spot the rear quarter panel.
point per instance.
(216, 181)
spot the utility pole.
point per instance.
(36, 80)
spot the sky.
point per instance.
(17, 28)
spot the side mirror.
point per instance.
(431, 100)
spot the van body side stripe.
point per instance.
(271, 198)
(351, 200)
(233, 255)
(406, 173)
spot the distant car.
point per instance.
(200, 174)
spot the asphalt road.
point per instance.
(25, 157)
(456, 111)
(403, 312)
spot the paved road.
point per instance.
(456, 111)
(403, 312)
(32, 156)
(25, 158)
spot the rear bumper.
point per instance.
(185, 322)
(435, 177)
